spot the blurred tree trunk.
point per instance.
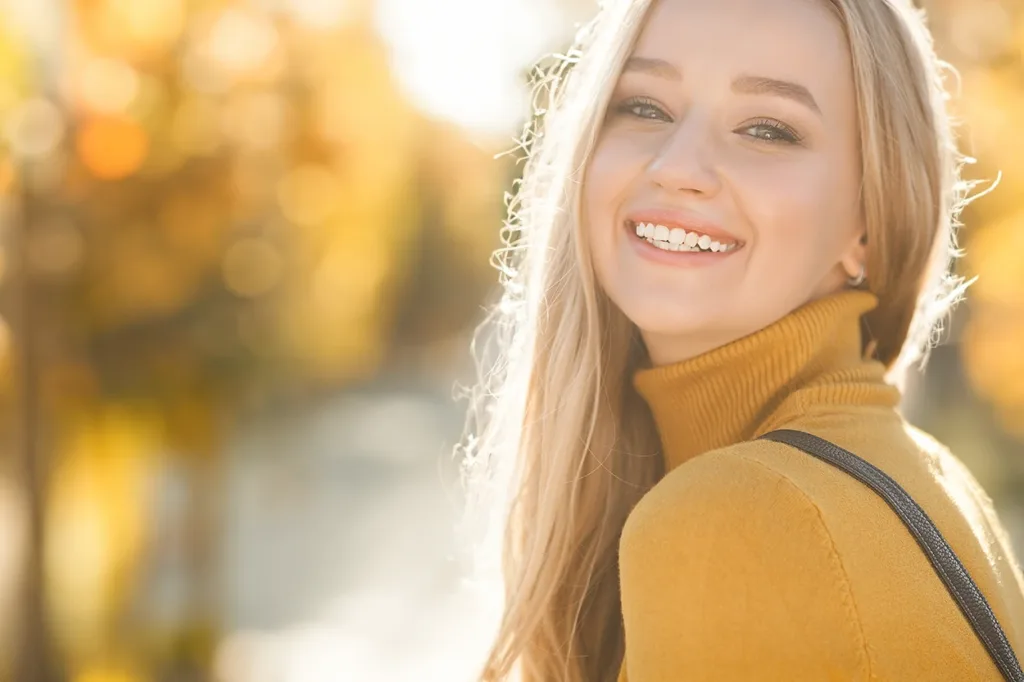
(35, 656)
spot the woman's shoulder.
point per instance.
(771, 502)
(760, 518)
(771, 488)
(727, 549)
(749, 471)
(935, 477)
(753, 553)
(737, 489)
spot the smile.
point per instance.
(678, 239)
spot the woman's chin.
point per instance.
(677, 320)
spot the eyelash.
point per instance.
(789, 136)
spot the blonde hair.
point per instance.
(558, 441)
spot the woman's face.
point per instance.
(731, 139)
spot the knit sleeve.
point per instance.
(728, 572)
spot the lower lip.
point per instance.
(685, 258)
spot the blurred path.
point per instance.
(340, 558)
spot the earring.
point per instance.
(859, 279)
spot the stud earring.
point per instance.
(859, 279)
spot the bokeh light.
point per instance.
(34, 128)
(112, 147)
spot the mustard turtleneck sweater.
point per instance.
(751, 560)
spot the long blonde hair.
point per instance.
(557, 440)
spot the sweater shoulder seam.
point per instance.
(843, 579)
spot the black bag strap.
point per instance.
(946, 563)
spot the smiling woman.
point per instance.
(750, 126)
(738, 219)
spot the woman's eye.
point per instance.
(767, 130)
(774, 132)
(641, 107)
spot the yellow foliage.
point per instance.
(96, 520)
(108, 674)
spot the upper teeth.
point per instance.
(678, 239)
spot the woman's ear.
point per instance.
(854, 259)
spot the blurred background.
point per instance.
(243, 246)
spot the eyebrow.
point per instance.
(745, 84)
(653, 67)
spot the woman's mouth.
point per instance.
(678, 239)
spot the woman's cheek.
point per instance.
(783, 202)
(629, 151)
(611, 173)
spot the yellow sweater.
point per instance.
(756, 561)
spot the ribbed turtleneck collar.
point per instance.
(732, 393)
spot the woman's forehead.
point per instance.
(788, 37)
(797, 41)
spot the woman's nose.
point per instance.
(685, 161)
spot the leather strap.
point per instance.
(946, 563)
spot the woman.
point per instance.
(738, 219)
